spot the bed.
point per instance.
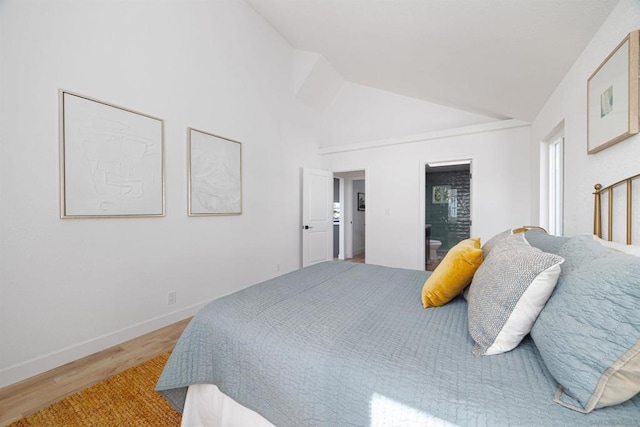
(340, 343)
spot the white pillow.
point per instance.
(620, 247)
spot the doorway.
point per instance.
(349, 216)
(447, 208)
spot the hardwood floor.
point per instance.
(33, 394)
(356, 258)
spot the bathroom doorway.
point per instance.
(447, 208)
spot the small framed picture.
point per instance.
(361, 201)
(613, 98)
(440, 194)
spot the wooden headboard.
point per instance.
(597, 215)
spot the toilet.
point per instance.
(434, 245)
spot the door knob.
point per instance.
(306, 227)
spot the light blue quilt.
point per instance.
(342, 344)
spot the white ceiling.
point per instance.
(500, 58)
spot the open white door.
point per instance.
(317, 216)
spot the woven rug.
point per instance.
(126, 399)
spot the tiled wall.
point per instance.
(443, 227)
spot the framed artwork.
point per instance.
(361, 202)
(111, 160)
(440, 194)
(215, 174)
(613, 97)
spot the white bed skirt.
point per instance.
(207, 406)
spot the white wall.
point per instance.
(395, 186)
(72, 287)
(361, 113)
(569, 104)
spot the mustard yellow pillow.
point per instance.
(453, 274)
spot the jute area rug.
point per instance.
(126, 399)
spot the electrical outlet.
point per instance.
(171, 298)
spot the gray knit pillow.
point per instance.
(492, 242)
(508, 292)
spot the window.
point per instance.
(556, 186)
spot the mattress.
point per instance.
(339, 343)
(207, 406)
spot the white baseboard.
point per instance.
(38, 365)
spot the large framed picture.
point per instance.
(111, 160)
(613, 97)
(215, 174)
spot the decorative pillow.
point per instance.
(589, 332)
(620, 247)
(453, 274)
(507, 293)
(489, 244)
(545, 242)
(486, 248)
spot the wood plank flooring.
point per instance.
(28, 396)
(357, 258)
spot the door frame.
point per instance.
(346, 227)
(341, 222)
(423, 196)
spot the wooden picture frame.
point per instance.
(214, 174)
(613, 98)
(111, 160)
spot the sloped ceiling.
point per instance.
(499, 58)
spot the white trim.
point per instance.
(346, 226)
(470, 160)
(446, 133)
(449, 163)
(341, 222)
(556, 186)
(40, 364)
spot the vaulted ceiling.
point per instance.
(499, 58)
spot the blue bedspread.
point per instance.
(343, 344)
